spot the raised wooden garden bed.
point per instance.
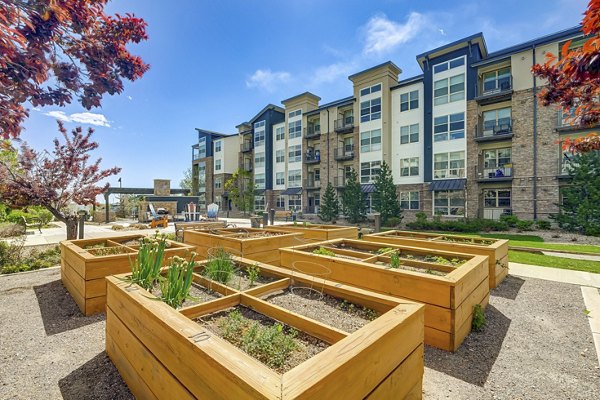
(495, 249)
(85, 263)
(319, 233)
(257, 244)
(449, 284)
(164, 353)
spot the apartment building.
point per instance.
(467, 137)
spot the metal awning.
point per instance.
(368, 188)
(448, 184)
(292, 191)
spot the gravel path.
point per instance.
(537, 345)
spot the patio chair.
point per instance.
(212, 212)
(158, 220)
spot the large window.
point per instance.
(295, 202)
(280, 133)
(280, 156)
(295, 178)
(218, 183)
(280, 178)
(217, 165)
(259, 134)
(496, 198)
(449, 202)
(497, 121)
(280, 202)
(369, 203)
(498, 80)
(409, 200)
(369, 170)
(409, 166)
(409, 134)
(295, 129)
(449, 165)
(202, 176)
(449, 127)
(370, 141)
(497, 157)
(294, 113)
(409, 101)
(217, 146)
(259, 160)
(295, 153)
(259, 181)
(371, 89)
(259, 203)
(449, 89)
(202, 147)
(370, 110)
(457, 62)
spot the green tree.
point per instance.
(385, 198)
(354, 204)
(241, 190)
(330, 208)
(580, 208)
(186, 182)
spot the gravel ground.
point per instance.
(562, 236)
(537, 345)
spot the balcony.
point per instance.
(312, 157)
(339, 181)
(344, 125)
(494, 90)
(246, 147)
(248, 166)
(344, 153)
(498, 174)
(310, 184)
(312, 132)
(451, 173)
(499, 131)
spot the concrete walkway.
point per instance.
(572, 256)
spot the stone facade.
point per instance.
(162, 187)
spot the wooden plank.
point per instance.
(95, 305)
(465, 310)
(314, 328)
(76, 262)
(77, 282)
(439, 339)
(468, 278)
(402, 380)
(269, 288)
(463, 331)
(77, 297)
(95, 288)
(211, 306)
(158, 378)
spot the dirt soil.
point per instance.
(199, 292)
(240, 281)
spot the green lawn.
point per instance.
(554, 262)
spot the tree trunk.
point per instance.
(71, 227)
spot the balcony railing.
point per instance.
(246, 146)
(344, 125)
(451, 173)
(343, 153)
(499, 131)
(313, 158)
(311, 132)
(495, 174)
(495, 89)
(311, 183)
(339, 181)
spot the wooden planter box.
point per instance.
(83, 271)
(319, 233)
(449, 298)
(162, 353)
(495, 249)
(243, 242)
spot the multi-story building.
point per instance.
(467, 137)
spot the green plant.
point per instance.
(145, 271)
(324, 252)
(393, 222)
(385, 197)
(510, 220)
(421, 217)
(478, 318)
(253, 273)
(524, 225)
(220, 267)
(353, 199)
(543, 224)
(329, 210)
(117, 227)
(384, 250)
(395, 260)
(175, 287)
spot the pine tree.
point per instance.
(580, 208)
(354, 204)
(241, 190)
(385, 198)
(330, 208)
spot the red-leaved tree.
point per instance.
(574, 81)
(54, 50)
(55, 180)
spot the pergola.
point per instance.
(122, 190)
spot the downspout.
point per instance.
(328, 147)
(534, 140)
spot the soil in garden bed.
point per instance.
(199, 293)
(454, 262)
(242, 333)
(241, 280)
(343, 246)
(476, 242)
(312, 303)
(109, 251)
(414, 269)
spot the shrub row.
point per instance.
(474, 224)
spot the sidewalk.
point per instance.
(555, 274)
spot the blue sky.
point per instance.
(215, 64)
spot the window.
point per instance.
(259, 160)
(449, 202)
(259, 203)
(369, 203)
(369, 170)
(295, 113)
(202, 147)
(202, 202)
(280, 202)
(496, 122)
(496, 198)
(449, 127)
(456, 91)
(279, 156)
(317, 174)
(218, 183)
(280, 178)
(409, 166)
(259, 181)
(295, 178)
(496, 81)
(409, 200)
(457, 62)
(409, 101)
(295, 153)
(370, 110)
(409, 134)
(371, 89)
(217, 146)
(348, 145)
(295, 202)
(202, 176)
(497, 158)
(370, 141)
(259, 134)
(295, 129)
(449, 165)
(217, 165)
(280, 133)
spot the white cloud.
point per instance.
(82, 118)
(332, 72)
(384, 34)
(130, 98)
(267, 80)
